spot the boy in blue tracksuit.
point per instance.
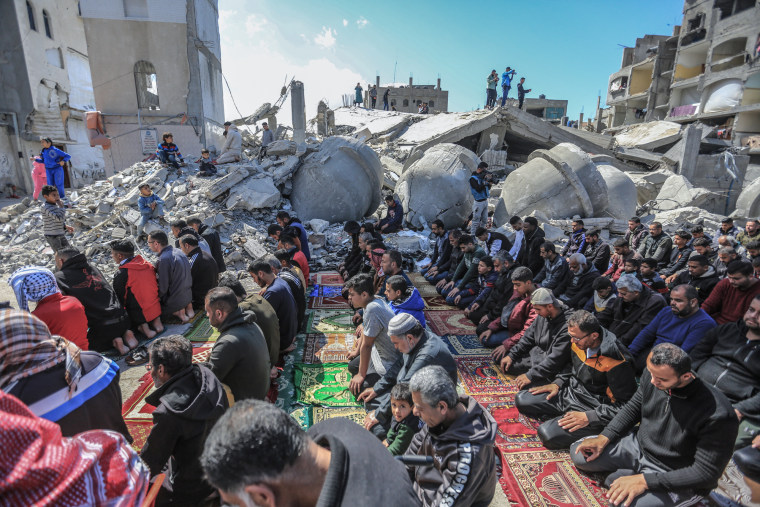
(404, 299)
(54, 160)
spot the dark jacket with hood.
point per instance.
(204, 274)
(261, 312)
(598, 255)
(726, 359)
(175, 283)
(576, 243)
(441, 252)
(499, 295)
(85, 282)
(548, 344)
(704, 283)
(411, 303)
(626, 320)
(579, 288)
(531, 252)
(605, 381)
(678, 259)
(636, 237)
(451, 264)
(464, 472)
(240, 358)
(187, 406)
(214, 244)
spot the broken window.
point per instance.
(431, 104)
(30, 14)
(146, 83)
(620, 83)
(695, 22)
(46, 21)
(731, 7)
(406, 102)
(393, 102)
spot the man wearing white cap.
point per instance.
(546, 341)
(419, 348)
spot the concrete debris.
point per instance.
(649, 136)
(222, 185)
(340, 182)
(678, 192)
(318, 225)
(253, 193)
(281, 147)
(435, 186)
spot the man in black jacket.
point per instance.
(188, 400)
(108, 321)
(598, 252)
(213, 240)
(446, 270)
(632, 310)
(459, 434)
(546, 342)
(442, 247)
(239, 357)
(728, 357)
(699, 274)
(679, 256)
(203, 269)
(258, 455)
(534, 238)
(180, 228)
(581, 402)
(494, 241)
(681, 447)
(579, 286)
(499, 296)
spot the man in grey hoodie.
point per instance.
(233, 145)
(175, 282)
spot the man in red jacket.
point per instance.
(63, 315)
(730, 299)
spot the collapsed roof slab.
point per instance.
(378, 122)
(447, 128)
(650, 135)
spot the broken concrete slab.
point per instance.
(281, 147)
(286, 169)
(254, 248)
(649, 136)
(435, 186)
(672, 219)
(221, 185)
(638, 155)
(377, 122)
(253, 193)
(340, 182)
(318, 225)
(649, 184)
(447, 128)
(392, 165)
(678, 192)
(748, 203)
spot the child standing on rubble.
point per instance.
(150, 206)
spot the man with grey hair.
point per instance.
(633, 309)
(258, 455)
(582, 275)
(419, 348)
(546, 342)
(580, 402)
(459, 434)
(683, 441)
(726, 255)
(188, 400)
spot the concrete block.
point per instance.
(104, 207)
(318, 240)
(118, 233)
(255, 249)
(621, 192)
(650, 135)
(281, 147)
(678, 192)
(253, 193)
(318, 225)
(221, 185)
(436, 186)
(286, 169)
(131, 216)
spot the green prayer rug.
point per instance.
(323, 384)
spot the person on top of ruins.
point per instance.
(168, 152)
(232, 150)
(394, 216)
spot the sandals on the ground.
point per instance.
(137, 357)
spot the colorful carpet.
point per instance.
(479, 375)
(330, 321)
(449, 322)
(465, 345)
(328, 348)
(202, 332)
(326, 278)
(436, 303)
(328, 303)
(323, 384)
(426, 288)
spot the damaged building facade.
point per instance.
(45, 91)
(168, 77)
(408, 99)
(707, 71)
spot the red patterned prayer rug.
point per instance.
(449, 322)
(328, 348)
(328, 303)
(480, 375)
(326, 278)
(437, 303)
(533, 475)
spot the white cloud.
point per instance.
(345, 22)
(362, 22)
(254, 24)
(325, 38)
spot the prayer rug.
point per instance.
(516, 432)
(426, 288)
(328, 348)
(203, 332)
(479, 375)
(328, 303)
(323, 384)
(356, 414)
(326, 278)
(465, 345)
(449, 322)
(302, 416)
(330, 321)
(437, 303)
(326, 290)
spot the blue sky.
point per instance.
(565, 49)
